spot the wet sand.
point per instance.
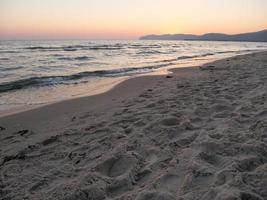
(199, 133)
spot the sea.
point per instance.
(35, 73)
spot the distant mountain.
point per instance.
(260, 36)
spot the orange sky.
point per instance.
(127, 19)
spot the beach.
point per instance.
(197, 133)
(37, 73)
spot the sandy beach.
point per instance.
(199, 133)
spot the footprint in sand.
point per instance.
(170, 121)
(117, 166)
(154, 196)
(169, 183)
(24, 133)
(76, 192)
(209, 157)
(50, 140)
(247, 164)
(185, 141)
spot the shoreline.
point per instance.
(199, 133)
(104, 88)
(114, 91)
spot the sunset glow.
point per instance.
(127, 19)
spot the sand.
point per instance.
(199, 133)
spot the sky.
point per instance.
(127, 19)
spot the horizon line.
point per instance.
(122, 39)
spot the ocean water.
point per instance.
(40, 72)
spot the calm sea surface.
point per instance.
(40, 72)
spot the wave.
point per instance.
(69, 49)
(55, 80)
(222, 52)
(80, 58)
(201, 55)
(106, 47)
(53, 48)
(41, 48)
(184, 58)
(140, 46)
(8, 51)
(75, 47)
(148, 52)
(4, 58)
(10, 68)
(196, 56)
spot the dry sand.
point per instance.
(200, 134)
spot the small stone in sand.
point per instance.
(168, 76)
(210, 67)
